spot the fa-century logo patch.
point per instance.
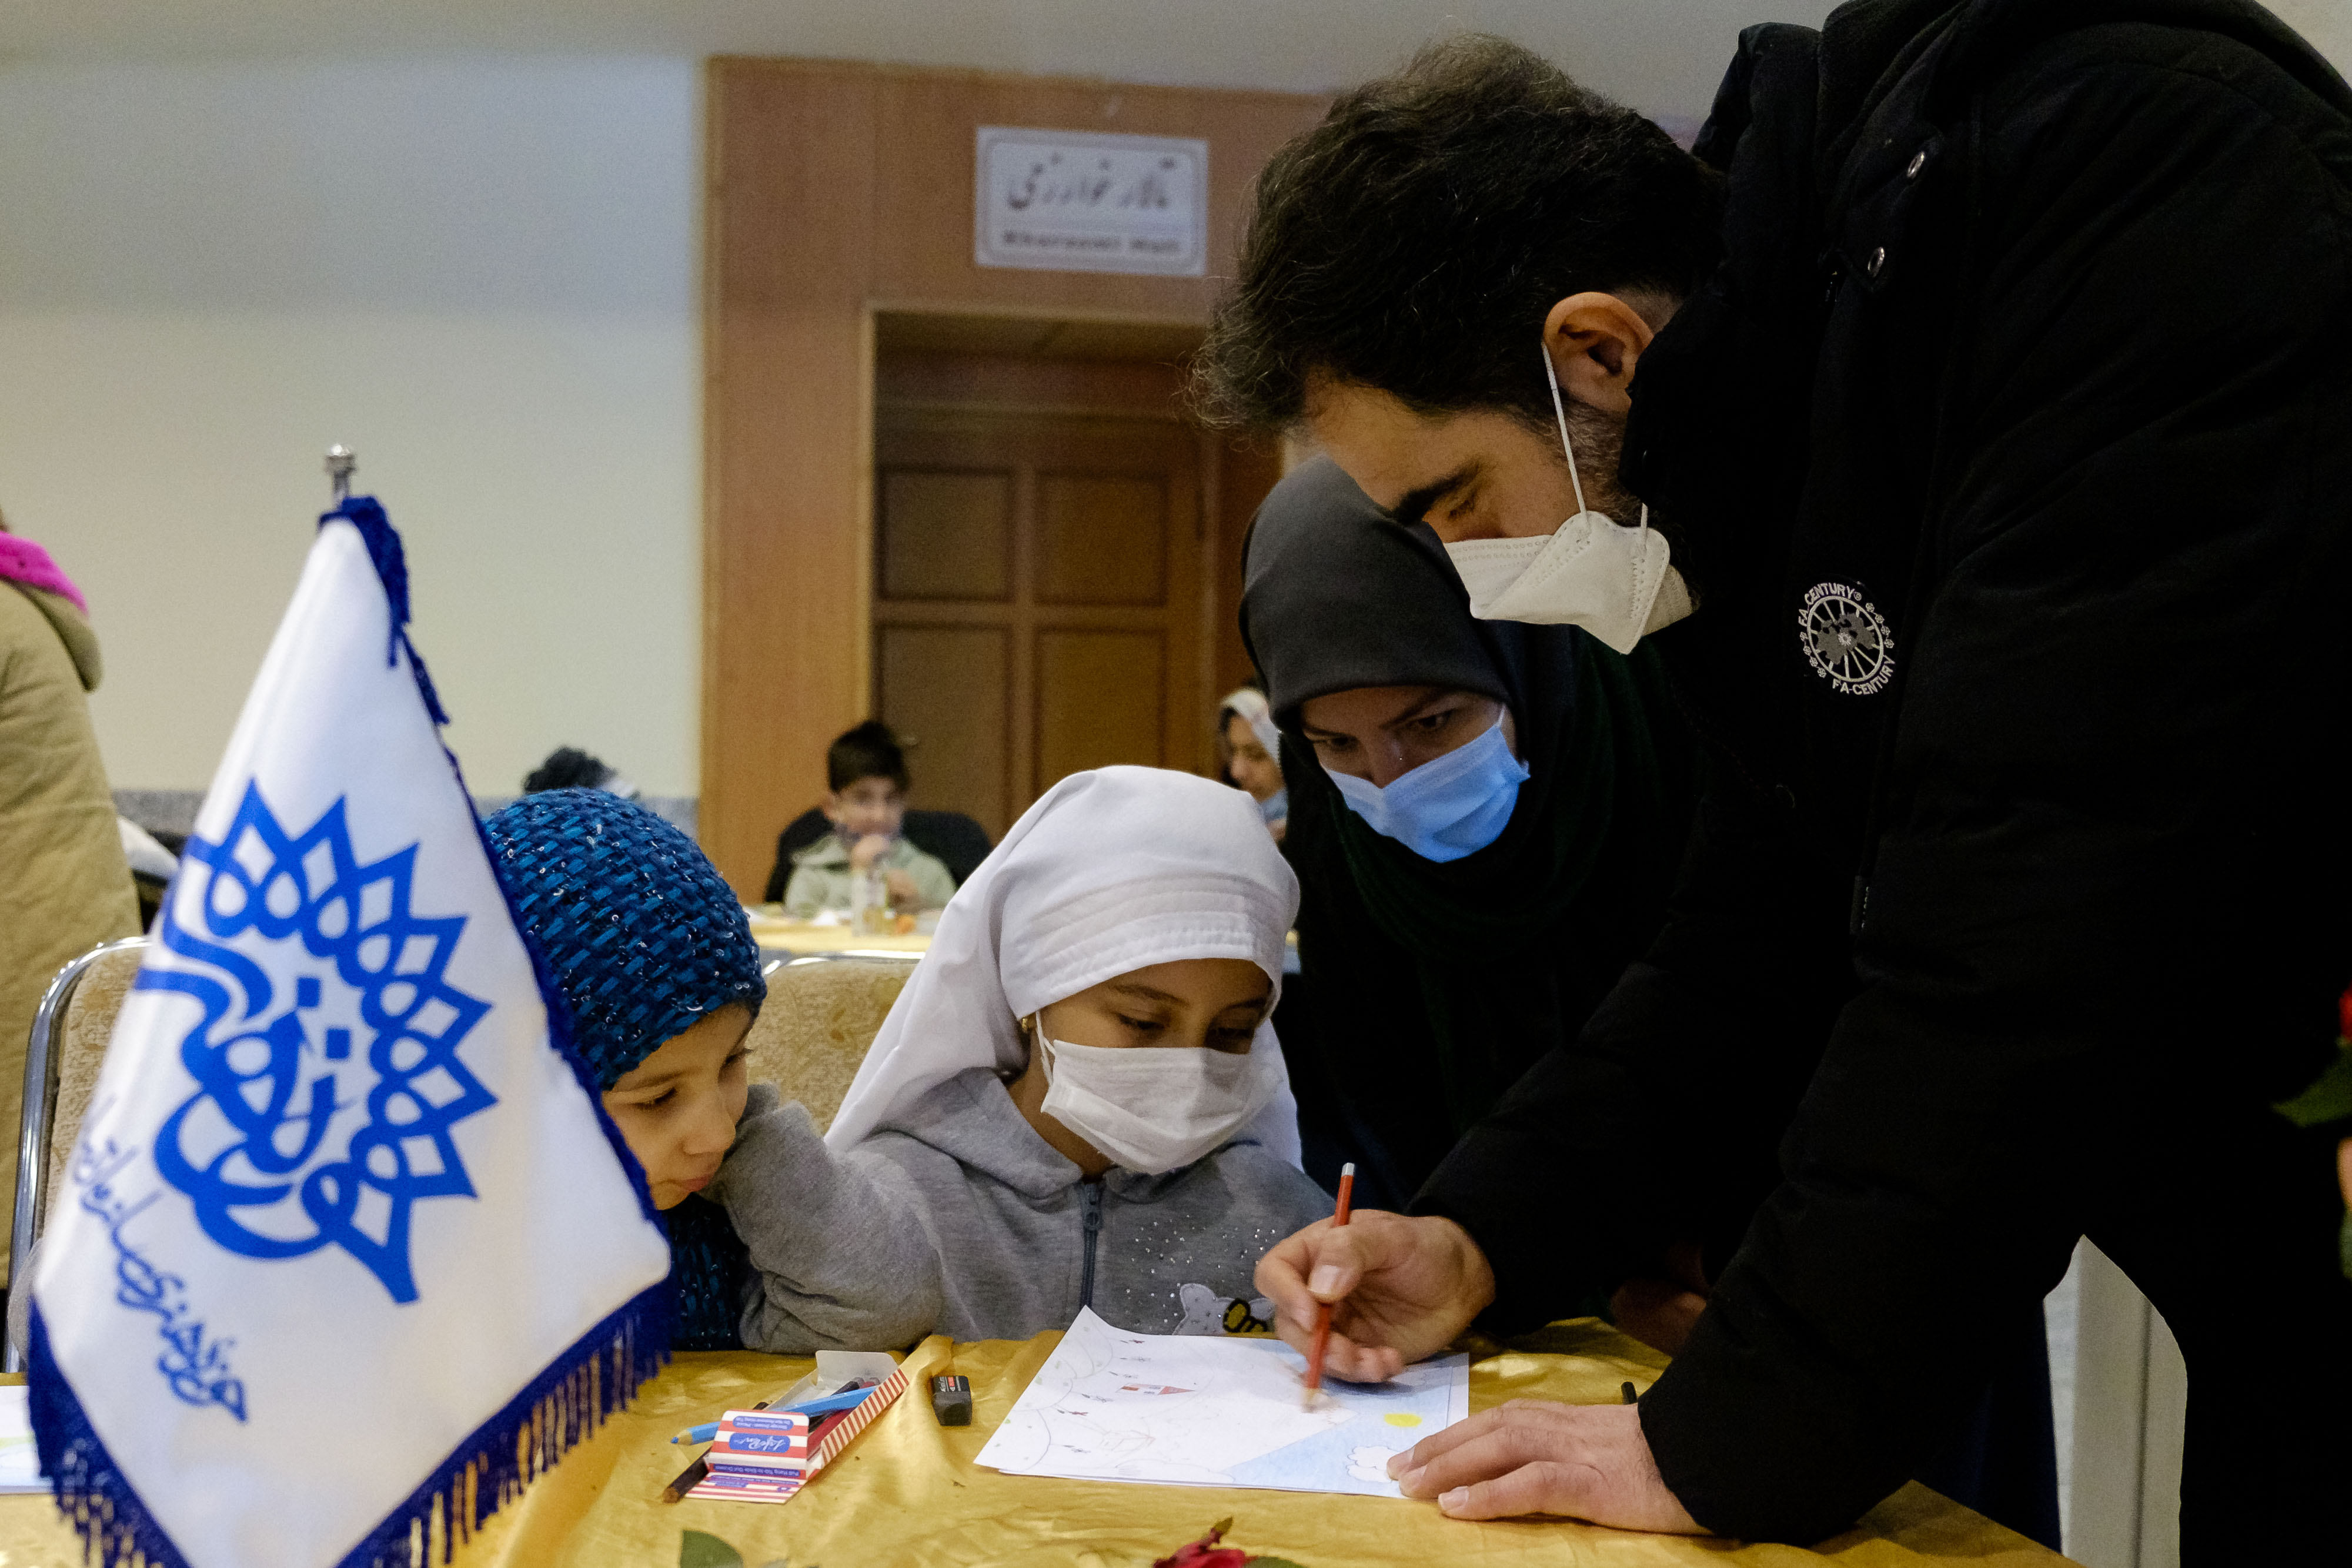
(1846, 638)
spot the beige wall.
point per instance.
(480, 270)
(1662, 56)
(2326, 23)
(478, 273)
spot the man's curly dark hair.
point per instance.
(1415, 239)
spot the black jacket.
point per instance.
(2010, 456)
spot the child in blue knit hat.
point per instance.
(651, 956)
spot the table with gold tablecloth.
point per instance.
(803, 939)
(907, 1495)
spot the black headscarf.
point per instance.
(1430, 988)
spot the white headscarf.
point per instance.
(1250, 703)
(1109, 871)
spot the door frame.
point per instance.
(834, 191)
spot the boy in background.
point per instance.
(865, 771)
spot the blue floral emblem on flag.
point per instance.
(326, 1064)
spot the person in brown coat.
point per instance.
(64, 886)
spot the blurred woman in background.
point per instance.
(64, 885)
(1249, 754)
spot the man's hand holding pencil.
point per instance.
(1398, 1290)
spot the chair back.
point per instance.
(799, 834)
(820, 1017)
(954, 840)
(62, 1058)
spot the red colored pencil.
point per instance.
(1323, 1309)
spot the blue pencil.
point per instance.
(811, 1407)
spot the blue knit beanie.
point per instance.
(640, 934)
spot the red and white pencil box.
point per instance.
(755, 1473)
(757, 1439)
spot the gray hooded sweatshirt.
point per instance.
(956, 1218)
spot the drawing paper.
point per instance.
(1196, 1410)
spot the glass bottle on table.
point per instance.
(869, 900)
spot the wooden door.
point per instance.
(1039, 599)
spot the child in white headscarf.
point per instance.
(1077, 1100)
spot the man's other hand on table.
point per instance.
(1531, 1456)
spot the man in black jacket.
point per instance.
(1994, 394)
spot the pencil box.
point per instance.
(771, 1441)
(767, 1472)
(773, 1477)
(727, 1488)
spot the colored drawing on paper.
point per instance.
(1184, 1411)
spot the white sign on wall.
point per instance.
(1078, 200)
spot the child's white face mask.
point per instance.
(1154, 1108)
(1614, 582)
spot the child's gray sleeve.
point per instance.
(840, 1259)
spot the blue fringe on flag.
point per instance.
(96, 1498)
(561, 1407)
(391, 562)
(382, 541)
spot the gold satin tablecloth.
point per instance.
(906, 1494)
(803, 940)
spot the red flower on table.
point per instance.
(1206, 1554)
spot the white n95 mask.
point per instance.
(1616, 583)
(1154, 1108)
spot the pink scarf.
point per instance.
(22, 561)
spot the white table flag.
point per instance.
(347, 1248)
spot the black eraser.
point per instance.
(951, 1400)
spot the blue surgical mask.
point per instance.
(1450, 805)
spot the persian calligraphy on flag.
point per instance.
(346, 1247)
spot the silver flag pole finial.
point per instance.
(340, 463)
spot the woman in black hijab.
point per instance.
(1450, 931)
